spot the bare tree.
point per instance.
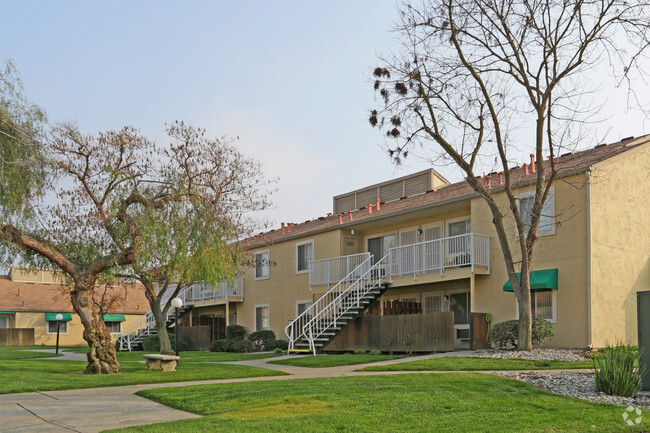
(476, 81)
(196, 240)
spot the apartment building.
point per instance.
(425, 242)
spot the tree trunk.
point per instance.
(161, 328)
(101, 354)
(524, 335)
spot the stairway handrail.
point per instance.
(288, 330)
(334, 309)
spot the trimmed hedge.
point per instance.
(230, 345)
(505, 334)
(235, 332)
(152, 343)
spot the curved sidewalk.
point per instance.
(96, 409)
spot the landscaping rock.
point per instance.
(569, 355)
(577, 385)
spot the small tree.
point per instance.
(195, 240)
(477, 80)
(103, 185)
(22, 168)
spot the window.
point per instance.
(378, 247)
(304, 255)
(114, 327)
(302, 306)
(262, 265)
(547, 218)
(433, 304)
(4, 323)
(261, 317)
(51, 327)
(543, 304)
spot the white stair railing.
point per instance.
(347, 299)
(294, 329)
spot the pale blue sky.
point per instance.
(289, 78)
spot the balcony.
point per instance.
(205, 294)
(469, 251)
(330, 271)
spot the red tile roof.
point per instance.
(566, 164)
(24, 296)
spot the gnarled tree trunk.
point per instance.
(101, 354)
(161, 326)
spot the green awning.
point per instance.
(51, 317)
(114, 318)
(544, 279)
(6, 312)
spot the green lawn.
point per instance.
(321, 361)
(18, 373)
(395, 403)
(20, 352)
(477, 364)
(199, 356)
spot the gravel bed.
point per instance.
(578, 385)
(570, 355)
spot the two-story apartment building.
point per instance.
(432, 243)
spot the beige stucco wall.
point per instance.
(73, 337)
(565, 250)
(620, 201)
(285, 286)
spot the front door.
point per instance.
(459, 303)
(378, 247)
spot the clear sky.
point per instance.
(290, 79)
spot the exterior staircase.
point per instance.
(319, 324)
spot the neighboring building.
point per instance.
(32, 299)
(437, 249)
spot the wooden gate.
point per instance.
(217, 325)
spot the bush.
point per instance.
(262, 340)
(616, 372)
(234, 332)
(375, 352)
(222, 345)
(242, 346)
(152, 343)
(359, 352)
(277, 350)
(505, 334)
(279, 344)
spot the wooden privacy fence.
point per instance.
(396, 308)
(16, 336)
(433, 332)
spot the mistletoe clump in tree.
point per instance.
(477, 81)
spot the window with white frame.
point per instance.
(51, 327)
(304, 255)
(547, 218)
(302, 306)
(262, 317)
(543, 304)
(262, 265)
(4, 323)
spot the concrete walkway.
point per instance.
(97, 409)
(67, 356)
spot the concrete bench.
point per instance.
(158, 361)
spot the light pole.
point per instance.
(176, 303)
(59, 317)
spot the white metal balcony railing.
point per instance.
(334, 269)
(435, 256)
(225, 289)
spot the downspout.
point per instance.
(589, 253)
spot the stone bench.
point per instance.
(158, 361)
